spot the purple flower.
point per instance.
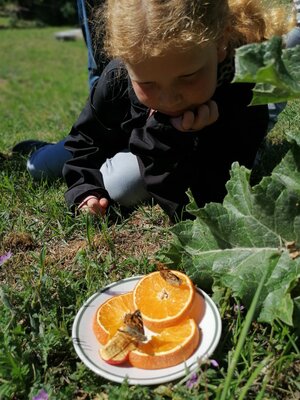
(42, 395)
(237, 308)
(192, 382)
(214, 363)
(5, 257)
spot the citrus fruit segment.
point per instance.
(161, 303)
(170, 347)
(109, 316)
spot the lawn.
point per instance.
(56, 262)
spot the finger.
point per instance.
(188, 120)
(214, 111)
(84, 209)
(176, 122)
(94, 206)
(206, 115)
(87, 210)
(103, 204)
(202, 117)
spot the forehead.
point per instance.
(172, 63)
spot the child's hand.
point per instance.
(94, 206)
(206, 114)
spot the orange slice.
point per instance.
(109, 317)
(161, 303)
(198, 308)
(170, 347)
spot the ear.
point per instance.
(222, 53)
(222, 45)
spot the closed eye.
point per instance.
(191, 75)
(188, 75)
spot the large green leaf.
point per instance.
(274, 70)
(231, 244)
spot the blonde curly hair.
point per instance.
(138, 29)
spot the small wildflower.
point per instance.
(5, 257)
(237, 308)
(214, 363)
(42, 395)
(192, 382)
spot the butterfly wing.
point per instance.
(168, 275)
(134, 326)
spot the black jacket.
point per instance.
(170, 161)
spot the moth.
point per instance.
(168, 275)
(134, 326)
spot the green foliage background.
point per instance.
(53, 12)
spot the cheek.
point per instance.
(202, 90)
(145, 96)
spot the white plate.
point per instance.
(87, 346)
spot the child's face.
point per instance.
(177, 81)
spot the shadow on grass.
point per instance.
(12, 163)
(15, 164)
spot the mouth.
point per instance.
(173, 114)
(179, 113)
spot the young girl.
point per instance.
(164, 116)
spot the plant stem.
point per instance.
(242, 337)
(252, 378)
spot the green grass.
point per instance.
(4, 22)
(59, 261)
(43, 84)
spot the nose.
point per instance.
(169, 98)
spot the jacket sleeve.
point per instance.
(96, 136)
